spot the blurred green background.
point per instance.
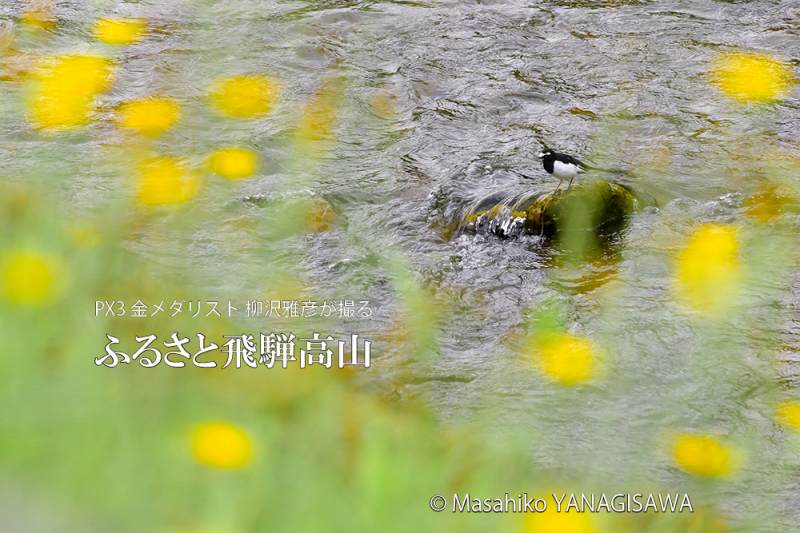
(294, 151)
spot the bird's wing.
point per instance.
(570, 159)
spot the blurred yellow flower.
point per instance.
(233, 163)
(221, 445)
(384, 104)
(165, 181)
(703, 455)
(768, 203)
(566, 359)
(41, 17)
(120, 31)
(244, 96)
(64, 90)
(708, 271)
(84, 235)
(16, 66)
(552, 521)
(751, 77)
(150, 117)
(788, 414)
(31, 278)
(702, 519)
(320, 113)
(319, 215)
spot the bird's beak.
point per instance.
(540, 155)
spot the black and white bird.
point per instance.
(562, 166)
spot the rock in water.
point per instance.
(600, 206)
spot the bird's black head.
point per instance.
(544, 153)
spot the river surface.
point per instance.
(445, 104)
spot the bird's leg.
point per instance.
(560, 181)
(570, 182)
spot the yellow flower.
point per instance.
(708, 269)
(165, 181)
(65, 88)
(750, 77)
(120, 31)
(704, 520)
(384, 104)
(244, 96)
(31, 279)
(566, 359)
(319, 215)
(16, 66)
(221, 445)
(41, 17)
(233, 163)
(768, 203)
(84, 235)
(150, 117)
(703, 455)
(319, 115)
(552, 521)
(788, 414)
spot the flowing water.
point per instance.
(445, 104)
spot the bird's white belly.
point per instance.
(564, 170)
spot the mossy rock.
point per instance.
(599, 206)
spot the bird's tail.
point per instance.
(607, 170)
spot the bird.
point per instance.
(561, 166)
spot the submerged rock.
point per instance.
(601, 206)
